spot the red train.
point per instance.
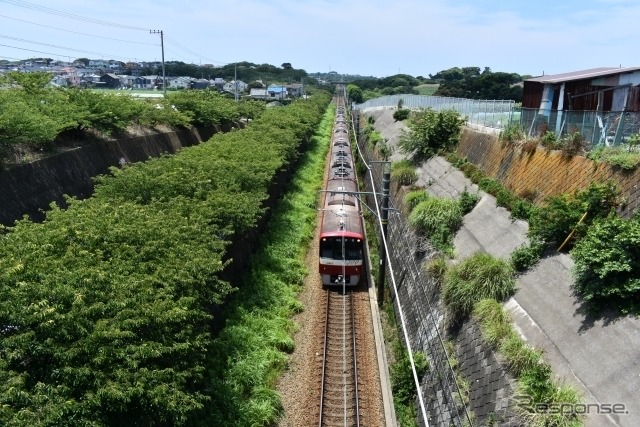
(342, 234)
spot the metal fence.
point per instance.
(495, 114)
(595, 128)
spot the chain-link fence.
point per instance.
(494, 114)
(595, 128)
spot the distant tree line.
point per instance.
(465, 82)
(469, 82)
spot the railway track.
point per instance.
(339, 403)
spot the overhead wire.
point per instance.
(385, 243)
(78, 32)
(59, 47)
(68, 15)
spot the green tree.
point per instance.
(355, 93)
(429, 132)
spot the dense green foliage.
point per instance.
(431, 131)
(437, 218)
(471, 83)
(539, 392)
(475, 278)
(401, 114)
(404, 389)
(393, 85)
(625, 157)
(40, 117)
(607, 266)
(561, 215)
(107, 307)
(526, 256)
(404, 386)
(354, 93)
(468, 201)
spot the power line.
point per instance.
(197, 55)
(57, 54)
(76, 32)
(69, 15)
(57, 47)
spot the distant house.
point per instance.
(257, 93)
(218, 83)
(111, 81)
(179, 83)
(295, 89)
(595, 102)
(98, 63)
(148, 82)
(231, 86)
(90, 80)
(277, 92)
(127, 81)
(200, 84)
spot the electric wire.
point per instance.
(68, 15)
(395, 288)
(78, 32)
(58, 47)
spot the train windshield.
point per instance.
(331, 247)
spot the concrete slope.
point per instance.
(598, 356)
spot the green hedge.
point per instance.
(106, 308)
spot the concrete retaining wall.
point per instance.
(545, 172)
(30, 188)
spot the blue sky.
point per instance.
(373, 37)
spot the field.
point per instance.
(428, 89)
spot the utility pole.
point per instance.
(384, 212)
(235, 78)
(164, 80)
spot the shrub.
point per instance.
(555, 221)
(549, 140)
(529, 146)
(438, 218)
(478, 277)
(468, 201)
(623, 157)
(607, 268)
(401, 114)
(430, 132)
(490, 185)
(403, 172)
(527, 256)
(572, 144)
(384, 150)
(404, 387)
(512, 133)
(374, 138)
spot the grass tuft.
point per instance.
(478, 277)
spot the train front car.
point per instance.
(341, 235)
